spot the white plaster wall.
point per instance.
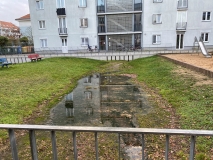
(167, 29)
(73, 15)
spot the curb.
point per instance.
(191, 67)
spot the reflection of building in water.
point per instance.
(119, 100)
(83, 104)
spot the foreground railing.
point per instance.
(74, 129)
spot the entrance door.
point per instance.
(179, 41)
(64, 45)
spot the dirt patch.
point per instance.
(200, 79)
(193, 59)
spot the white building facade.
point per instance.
(65, 25)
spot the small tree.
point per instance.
(24, 40)
(3, 41)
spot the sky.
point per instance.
(13, 9)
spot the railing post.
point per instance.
(13, 144)
(119, 146)
(192, 148)
(75, 145)
(167, 147)
(54, 149)
(33, 145)
(143, 147)
(96, 145)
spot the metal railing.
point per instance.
(62, 31)
(181, 25)
(96, 130)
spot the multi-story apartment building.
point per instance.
(116, 24)
(9, 30)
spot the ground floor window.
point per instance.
(205, 37)
(43, 43)
(84, 41)
(156, 39)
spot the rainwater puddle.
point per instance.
(103, 100)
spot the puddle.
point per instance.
(103, 100)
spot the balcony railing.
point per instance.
(61, 11)
(74, 129)
(182, 4)
(100, 9)
(101, 29)
(181, 25)
(62, 31)
(137, 27)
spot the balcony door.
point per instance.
(180, 41)
(181, 19)
(62, 25)
(64, 45)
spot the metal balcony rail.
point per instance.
(101, 29)
(181, 25)
(137, 27)
(74, 129)
(62, 31)
(100, 9)
(182, 4)
(61, 11)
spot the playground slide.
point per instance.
(203, 49)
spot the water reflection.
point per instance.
(100, 99)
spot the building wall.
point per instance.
(167, 30)
(73, 15)
(121, 23)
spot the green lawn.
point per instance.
(24, 87)
(193, 103)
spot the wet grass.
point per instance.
(26, 87)
(192, 103)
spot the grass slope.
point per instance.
(192, 103)
(24, 86)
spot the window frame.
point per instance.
(59, 4)
(154, 37)
(80, 3)
(206, 16)
(154, 18)
(157, 1)
(43, 45)
(84, 41)
(204, 36)
(83, 22)
(43, 24)
(38, 4)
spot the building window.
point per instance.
(182, 3)
(156, 39)
(43, 43)
(205, 37)
(40, 4)
(156, 19)
(88, 95)
(41, 24)
(82, 3)
(157, 1)
(84, 22)
(60, 3)
(84, 41)
(206, 16)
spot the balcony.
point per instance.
(182, 4)
(61, 11)
(62, 31)
(137, 27)
(101, 29)
(181, 25)
(100, 9)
